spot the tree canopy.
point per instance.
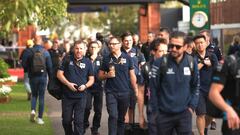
(20, 13)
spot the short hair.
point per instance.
(126, 34)
(156, 42)
(189, 40)
(164, 29)
(94, 42)
(115, 37)
(178, 34)
(208, 32)
(198, 37)
(80, 42)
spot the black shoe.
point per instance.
(206, 131)
(213, 125)
(95, 133)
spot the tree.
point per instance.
(117, 20)
(20, 13)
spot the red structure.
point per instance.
(149, 19)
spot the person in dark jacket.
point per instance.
(174, 90)
(25, 68)
(235, 46)
(38, 82)
(160, 48)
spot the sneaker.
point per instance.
(32, 116)
(40, 121)
(213, 125)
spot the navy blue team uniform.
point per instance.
(74, 103)
(205, 74)
(172, 92)
(117, 91)
(95, 97)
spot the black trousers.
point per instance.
(73, 112)
(95, 99)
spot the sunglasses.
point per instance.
(113, 43)
(173, 45)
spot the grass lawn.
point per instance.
(14, 116)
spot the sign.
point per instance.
(199, 15)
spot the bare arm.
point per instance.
(133, 80)
(217, 99)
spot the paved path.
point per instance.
(54, 112)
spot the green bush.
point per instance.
(3, 69)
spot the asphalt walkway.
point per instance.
(54, 112)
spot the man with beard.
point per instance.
(174, 88)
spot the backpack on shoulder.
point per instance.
(38, 63)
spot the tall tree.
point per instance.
(117, 20)
(20, 13)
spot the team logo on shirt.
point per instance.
(82, 65)
(71, 63)
(123, 61)
(186, 71)
(132, 54)
(170, 71)
(98, 63)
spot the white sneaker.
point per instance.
(32, 116)
(40, 121)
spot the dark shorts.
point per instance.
(133, 100)
(202, 104)
(140, 79)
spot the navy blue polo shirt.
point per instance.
(206, 72)
(76, 72)
(176, 89)
(121, 82)
(96, 66)
(137, 58)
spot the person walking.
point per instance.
(118, 71)
(207, 62)
(40, 67)
(174, 88)
(25, 68)
(160, 49)
(76, 75)
(95, 92)
(224, 93)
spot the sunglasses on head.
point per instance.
(173, 45)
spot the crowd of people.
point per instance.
(171, 75)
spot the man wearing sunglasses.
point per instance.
(174, 92)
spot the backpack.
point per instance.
(38, 63)
(234, 66)
(55, 87)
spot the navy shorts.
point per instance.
(133, 100)
(140, 79)
(202, 104)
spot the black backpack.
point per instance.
(38, 62)
(55, 86)
(234, 66)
